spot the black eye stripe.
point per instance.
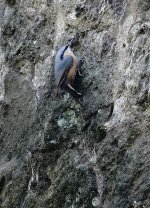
(62, 55)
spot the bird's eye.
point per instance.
(70, 39)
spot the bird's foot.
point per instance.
(79, 73)
(72, 91)
(80, 63)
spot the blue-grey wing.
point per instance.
(62, 68)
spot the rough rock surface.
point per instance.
(57, 152)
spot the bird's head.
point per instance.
(73, 42)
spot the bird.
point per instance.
(66, 68)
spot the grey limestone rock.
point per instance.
(58, 152)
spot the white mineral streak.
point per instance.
(60, 22)
(3, 71)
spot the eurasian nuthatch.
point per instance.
(66, 68)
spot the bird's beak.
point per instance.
(72, 42)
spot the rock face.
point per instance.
(57, 152)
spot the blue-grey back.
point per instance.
(62, 64)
